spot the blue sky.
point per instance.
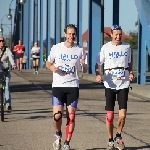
(128, 14)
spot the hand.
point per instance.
(131, 77)
(53, 68)
(14, 67)
(82, 61)
(99, 78)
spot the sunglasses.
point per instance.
(1, 40)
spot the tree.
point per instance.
(133, 41)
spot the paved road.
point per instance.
(29, 126)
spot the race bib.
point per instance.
(118, 74)
(67, 69)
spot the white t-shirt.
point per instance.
(115, 56)
(68, 60)
(36, 52)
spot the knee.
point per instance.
(71, 117)
(110, 116)
(57, 116)
(122, 116)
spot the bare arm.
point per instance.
(130, 67)
(48, 65)
(97, 69)
(51, 67)
(84, 66)
(131, 74)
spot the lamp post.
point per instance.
(9, 16)
(1, 30)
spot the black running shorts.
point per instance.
(68, 95)
(112, 94)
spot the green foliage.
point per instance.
(107, 39)
(133, 41)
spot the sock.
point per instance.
(111, 139)
(37, 68)
(66, 142)
(34, 67)
(58, 133)
(118, 135)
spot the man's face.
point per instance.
(20, 42)
(2, 42)
(70, 35)
(116, 35)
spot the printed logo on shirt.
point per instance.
(117, 54)
(66, 57)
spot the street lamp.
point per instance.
(9, 16)
(1, 29)
(22, 2)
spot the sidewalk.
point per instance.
(137, 89)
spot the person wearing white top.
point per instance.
(6, 61)
(63, 61)
(116, 56)
(35, 52)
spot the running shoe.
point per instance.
(110, 145)
(66, 147)
(119, 143)
(8, 109)
(36, 72)
(57, 143)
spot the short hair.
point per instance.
(70, 26)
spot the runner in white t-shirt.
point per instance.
(64, 60)
(35, 52)
(116, 56)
